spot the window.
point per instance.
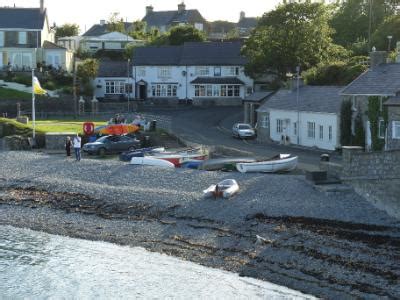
(236, 90)
(217, 71)
(321, 132)
(279, 126)
(249, 90)
(22, 38)
(115, 87)
(311, 130)
(202, 71)
(1, 38)
(216, 91)
(330, 133)
(295, 130)
(382, 129)
(164, 72)
(265, 121)
(396, 130)
(164, 90)
(141, 71)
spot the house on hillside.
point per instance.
(26, 40)
(246, 24)
(202, 73)
(220, 30)
(164, 20)
(308, 116)
(113, 81)
(382, 80)
(98, 37)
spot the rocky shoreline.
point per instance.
(279, 228)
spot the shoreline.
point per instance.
(308, 238)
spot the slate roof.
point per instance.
(394, 101)
(382, 80)
(166, 18)
(258, 96)
(21, 18)
(247, 23)
(50, 45)
(191, 54)
(323, 99)
(97, 29)
(217, 80)
(111, 68)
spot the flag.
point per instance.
(37, 89)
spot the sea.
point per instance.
(37, 265)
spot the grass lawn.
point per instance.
(9, 94)
(62, 125)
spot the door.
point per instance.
(142, 92)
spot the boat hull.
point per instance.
(150, 161)
(269, 166)
(225, 189)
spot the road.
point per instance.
(212, 127)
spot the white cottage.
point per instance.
(202, 73)
(308, 117)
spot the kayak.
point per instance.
(116, 129)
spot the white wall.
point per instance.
(324, 119)
(99, 92)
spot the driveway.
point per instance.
(212, 127)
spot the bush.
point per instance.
(22, 79)
(68, 90)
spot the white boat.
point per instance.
(151, 161)
(226, 188)
(279, 163)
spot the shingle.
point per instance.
(324, 99)
(109, 68)
(21, 18)
(394, 101)
(381, 80)
(50, 45)
(217, 80)
(157, 56)
(258, 96)
(166, 18)
(97, 29)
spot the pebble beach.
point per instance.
(328, 244)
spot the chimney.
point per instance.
(181, 7)
(377, 58)
(242, 15)
(102, 22)
(41, 6)
(149, 9)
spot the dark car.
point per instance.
(111, 144)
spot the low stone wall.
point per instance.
(56, 141)
(359, 165)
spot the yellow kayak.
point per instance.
(117, 129)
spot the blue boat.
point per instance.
(191, 164)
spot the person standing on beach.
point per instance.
(68, 145)
(77, 147)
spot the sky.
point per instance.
(89, 12)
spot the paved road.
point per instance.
(212, 126)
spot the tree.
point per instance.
(390, 27)
(345, 123)
(115, 23)
(67, 30)
(295, 34)
(86, 72)
(138, 30)
(178, 35)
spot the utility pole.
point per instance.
(74, 86)
(370, 24)
(297, 103)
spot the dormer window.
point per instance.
(22, 38)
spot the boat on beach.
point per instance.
(226, 189)
(218, 164)
(127, 156)
(151, 161)
(179, 157)
(279, 163)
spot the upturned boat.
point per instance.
(150, 161)
(226, 189)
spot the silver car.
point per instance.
(243, 130)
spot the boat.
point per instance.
(116, 129)
(179, 157)
(223, 163)
(279, 163)
(127, 156)
(226, 188)
(191, 164)
(150, 161)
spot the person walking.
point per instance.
(68, 145)
(77, 146)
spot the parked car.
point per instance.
(111, 144)
(243, 130)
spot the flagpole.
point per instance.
(33, 106)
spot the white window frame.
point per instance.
(2, 39)
(381, 125)
(311, 130)
(164, 90)
(279, 126)
(217, 71)
(265, 121)
(295, 128)
(202, 71)
(115, 87)
(396, 130)
(141, 71)
(164, 72)
(330, 133)
(22, 37)
(321, 132)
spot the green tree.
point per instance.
(345, 123)
(138, 30)
(293, 34)
(115, 23)
(180, 34)
(390, 27)
(67, 30)
(86, 72)
(359, 132)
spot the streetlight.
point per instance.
(389, 37)
(128, 85)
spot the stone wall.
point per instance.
(56, 141)
(359, 165)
